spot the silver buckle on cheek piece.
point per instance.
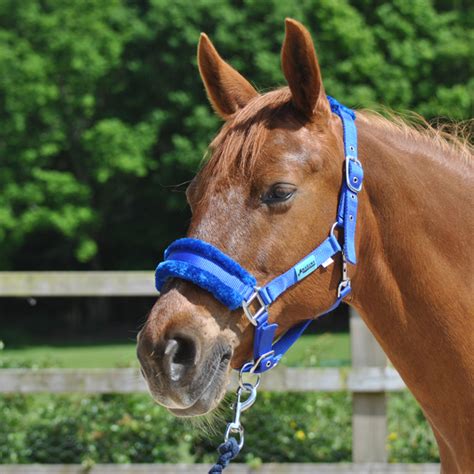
(252, 317)
(350, 184)
(345, 281)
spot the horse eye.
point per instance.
(279, 192)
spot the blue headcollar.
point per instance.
(206, 266)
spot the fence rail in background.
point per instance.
(368, 380)
(50, 284)
(235, 468)
(281, 379)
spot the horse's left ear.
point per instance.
(227, 90)
(301, 69)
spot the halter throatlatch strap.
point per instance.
(207, 267)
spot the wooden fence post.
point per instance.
(369, 419)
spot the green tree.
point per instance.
(103, 112)
(63, 150)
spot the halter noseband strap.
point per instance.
(206, 266)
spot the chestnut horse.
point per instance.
(268, 196)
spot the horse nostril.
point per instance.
(179, 355)
(226, 357)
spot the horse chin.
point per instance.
(209, 399)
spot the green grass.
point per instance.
(323, 350)
(81, 356)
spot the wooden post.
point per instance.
(369, 419)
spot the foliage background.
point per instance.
(103, 120)
(296, 427)
(103, 115)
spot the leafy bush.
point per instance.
(73, 429)
(313, 427)
(54, 437)
(410, 438)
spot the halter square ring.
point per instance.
(252, 317)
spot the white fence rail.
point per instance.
(235, 468)
(281, 379)
(29, 284)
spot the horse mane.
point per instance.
(236, 150)
(444, 138)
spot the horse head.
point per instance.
(266, 197)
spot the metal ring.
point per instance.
(242, 382)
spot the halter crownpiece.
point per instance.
(206, 266)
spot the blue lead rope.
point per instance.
(228, 450)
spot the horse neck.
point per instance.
(413, 283)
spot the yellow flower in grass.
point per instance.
(392, 436)
(300, 435)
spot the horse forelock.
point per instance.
(237, 148)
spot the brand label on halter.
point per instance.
(304, 268)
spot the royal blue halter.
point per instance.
(206, 266)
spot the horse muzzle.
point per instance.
(185, 373)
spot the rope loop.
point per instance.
(227, 451)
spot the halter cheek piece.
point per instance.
(206, 266)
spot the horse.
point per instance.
(268, 193)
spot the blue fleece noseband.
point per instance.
(209, 268)
(206, 266)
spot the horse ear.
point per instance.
(227, 90)
(301, 69)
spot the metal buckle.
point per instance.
(246, 306)
(341, 286)
(253, 367)
(345, 280)
(350, 184)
